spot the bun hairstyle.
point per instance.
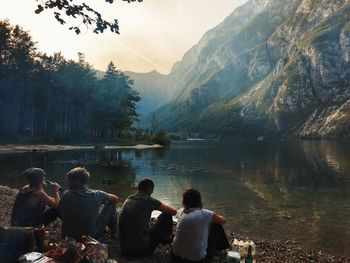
(192, 199)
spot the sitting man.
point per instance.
(31, 202)
(199, 232)
(80, 208)
(137, 238)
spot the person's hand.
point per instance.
(55, 187)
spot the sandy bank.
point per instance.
(267, 251)
(12, 148)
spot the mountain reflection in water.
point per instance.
(272, 190)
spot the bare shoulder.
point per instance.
(219, 219)
(40, 193)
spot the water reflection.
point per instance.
(284, 190)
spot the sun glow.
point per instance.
(154, 34)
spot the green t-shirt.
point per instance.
(134, 222)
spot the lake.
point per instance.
(290, 190)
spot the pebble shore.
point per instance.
(267, 251)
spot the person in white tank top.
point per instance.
(199, 231)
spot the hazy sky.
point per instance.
(154, 34)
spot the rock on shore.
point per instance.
(267, 252)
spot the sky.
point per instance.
(154, 34)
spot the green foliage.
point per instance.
(117, 101)
(225, 122)
(219, 121)
(161, 138)
(144, 137)
(154, 123)
(51, 97)
(75, 9)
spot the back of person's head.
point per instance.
(34, 176)
(146, 185)
(77, 177)
(192, 199)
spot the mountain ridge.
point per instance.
(273, 67)
(153, 89)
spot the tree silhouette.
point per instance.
(51, 98)
(89, 16)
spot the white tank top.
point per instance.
(192, 231)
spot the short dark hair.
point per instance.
(192, 198)
(78, 174)
(34, 176)
(145, 185)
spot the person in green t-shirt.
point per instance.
(137, 238)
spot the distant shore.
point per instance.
(267, 251)
(13, 148)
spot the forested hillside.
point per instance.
(48, 96)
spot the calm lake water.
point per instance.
(273, 190)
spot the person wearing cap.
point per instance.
(86, 212)
(31, 202)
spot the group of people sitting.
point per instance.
(86, 212)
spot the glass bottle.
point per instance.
(249, 258)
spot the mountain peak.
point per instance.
(281, 64)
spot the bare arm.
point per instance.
(167, 209)
(218, 219)
(48, 200)
(112, 198)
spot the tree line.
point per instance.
(48, 96)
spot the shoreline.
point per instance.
(267, 251)
(13, 148)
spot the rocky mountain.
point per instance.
(273, 67)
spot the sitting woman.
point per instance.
(199, 232)
(30, 205)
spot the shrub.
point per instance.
(161, 138)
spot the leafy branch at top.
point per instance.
(90, 17)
